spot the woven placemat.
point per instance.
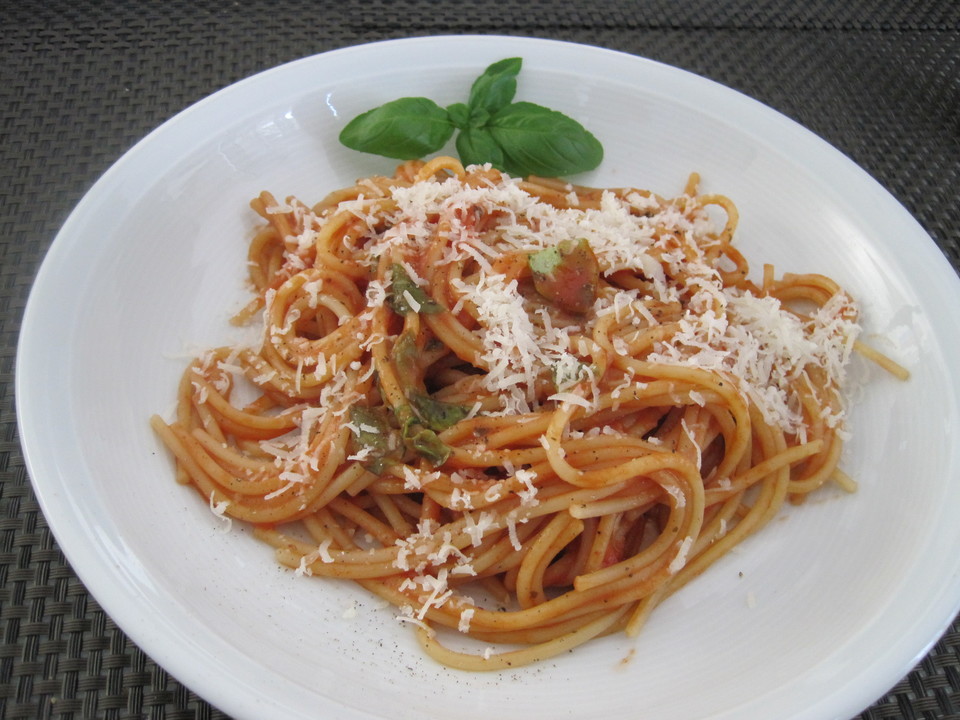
(80, 82)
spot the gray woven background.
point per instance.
(80, 82)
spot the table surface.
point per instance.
(83, 81)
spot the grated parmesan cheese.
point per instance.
(219, 509)
(466, 616)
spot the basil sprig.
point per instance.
(520, 138)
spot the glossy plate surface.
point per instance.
(815, 617)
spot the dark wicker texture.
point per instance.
(80, 82)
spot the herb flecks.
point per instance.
(520, 138)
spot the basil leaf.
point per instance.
(459, 114)
(538, 141)
(436, 414)
(495, 88)
(405, 129)
(476, 146)
(401, 285)
(421, 440)
(404, 357)
(374, 432)
(479, 118)
(428, 445)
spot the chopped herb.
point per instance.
(422, 416)
(437, 415)
(406, 296)
(374, 432)
(429, 446)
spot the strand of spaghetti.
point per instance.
(667, 553)
(449, 616)
(334, 231)
(385, 558)
(645, 465)
(400, 525)
(547, 633)
(615, 505)
(558, 533)
(771, 498)
(517, 658)
(233, 458)
(440, 166)
(290, 552)
(569, 605)
(343, 480)
(208, 420)
(258, 270)
(828, 454)
(187, 468)
(261, 426)
(724, 387)
(645, 606)
(773, 491)
(229, 469)
(785, 458)
(322, 525)
(500, 554)
(891, 366)
(205, 466)
(364, 521)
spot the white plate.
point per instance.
(815, 617)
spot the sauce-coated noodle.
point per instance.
(521, 410)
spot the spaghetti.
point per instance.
(520, 410)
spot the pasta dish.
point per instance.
(521, 411)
